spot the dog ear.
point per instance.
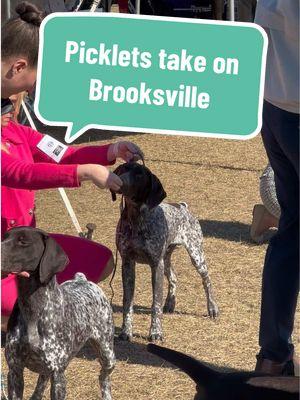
(200, 373)
(54, 260)
(117, 171)
(157, 192)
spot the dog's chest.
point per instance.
(141, 240)
(43, 346)
(132, 242)
(49, 354)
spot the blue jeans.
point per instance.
(280, 133)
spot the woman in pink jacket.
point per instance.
(30, 160)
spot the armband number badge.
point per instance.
(52, 148)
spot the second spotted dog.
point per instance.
(147, 233)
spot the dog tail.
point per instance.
(182, 203)
(79, 276)
(200, 373)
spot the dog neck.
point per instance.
(133, 211)
(33, 295)
(34, 298)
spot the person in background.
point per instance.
(32, 161)
(280, 133)
(246, 10)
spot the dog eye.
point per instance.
(22, 241)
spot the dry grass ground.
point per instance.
(219, 181)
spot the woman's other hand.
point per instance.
(128, 151)
(100, 176)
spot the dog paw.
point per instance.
(169, 306)
(213, 310)
(126, 337)
(154, 337)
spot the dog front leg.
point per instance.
(40, 388)
(15, 383)
(156, 311)
(58, 386)
(170, 302)
(128, 278)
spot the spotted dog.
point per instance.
(50, 323)
(147, 233)
(240, 385)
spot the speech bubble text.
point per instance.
(151, 74)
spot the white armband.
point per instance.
(52, 147)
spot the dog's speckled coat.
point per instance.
(149, 233)
(51, 322)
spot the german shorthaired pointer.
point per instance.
(148, 233)
(50, 323)
(242, 385)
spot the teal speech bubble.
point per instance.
(150, 74)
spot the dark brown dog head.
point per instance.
(140, 185)
(31, 250)
(240, 385)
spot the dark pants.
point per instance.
(280, 287)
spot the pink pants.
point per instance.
(90, 258)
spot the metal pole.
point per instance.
(138, 6)
(8, 9)
(230, 9)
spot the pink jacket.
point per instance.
(25, 168)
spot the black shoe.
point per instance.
(275, 368)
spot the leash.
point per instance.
(121, 207)
(62, 191)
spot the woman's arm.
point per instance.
(73, 154)
(21, 174)
(103, 155)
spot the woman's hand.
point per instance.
(128, 151)
(24, 274)
(100, 176)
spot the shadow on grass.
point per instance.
(232, 231)
(139, 309)
(136, 353)
(131, 352)
(204, 165)
(92, 135)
